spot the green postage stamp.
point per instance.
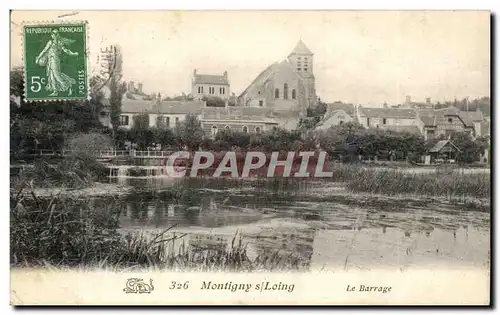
(55, 61)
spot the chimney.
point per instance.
(385, 105)
(194, 73)
(225, 74)
(428, 100)
(408, 100)
(139, 88)
(131, 87)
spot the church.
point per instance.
(286, 88)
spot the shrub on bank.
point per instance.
(72, 172)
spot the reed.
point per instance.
(66, 232)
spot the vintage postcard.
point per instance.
(250, 158)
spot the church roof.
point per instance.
(301, 49)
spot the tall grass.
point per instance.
(71, 172)
(69, 232)
(393, 182)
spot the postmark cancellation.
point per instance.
(55, 61)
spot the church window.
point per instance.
(285, 91)
(277, 93)
(261, 103)
(245, 129)
(294, 94)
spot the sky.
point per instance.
(362, 57)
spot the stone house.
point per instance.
(210, 85)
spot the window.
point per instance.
(277, 93)
(384, 121)
(450, 120)
(222, 90)
(285, 91)
(228, 128)
(275, 128)
(167, 121)
(103, 113)
(294, 94)
(176, 121)
(211, 90)
(124, 120)
(245, 129)
(368, 121)
(261, 103)
(200, 89)
(257, 129)
(341, 122)
(214, 130)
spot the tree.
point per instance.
(190, 133)
(140, 133)
(112, 64)
(164, 137)
(88, 144)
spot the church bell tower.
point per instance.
(302, 60)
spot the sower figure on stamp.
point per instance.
(50, 58)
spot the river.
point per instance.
(343, 232)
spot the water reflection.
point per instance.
(340, 234)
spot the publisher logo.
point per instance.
(138, 286)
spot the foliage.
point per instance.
(113, 63)
(190, 133)
(140, 133)
(88, 144)
(214, 101)
(72, 172)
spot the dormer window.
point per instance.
(450, 120)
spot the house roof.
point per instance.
(348, 108)
(181, 107)
(300, 49)
(387, 112)
(210, 79)
(431, 117)
(401, 128)
(440, 145)
(237, 113)
(428, 120)
(135, 106)
(475, 116)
